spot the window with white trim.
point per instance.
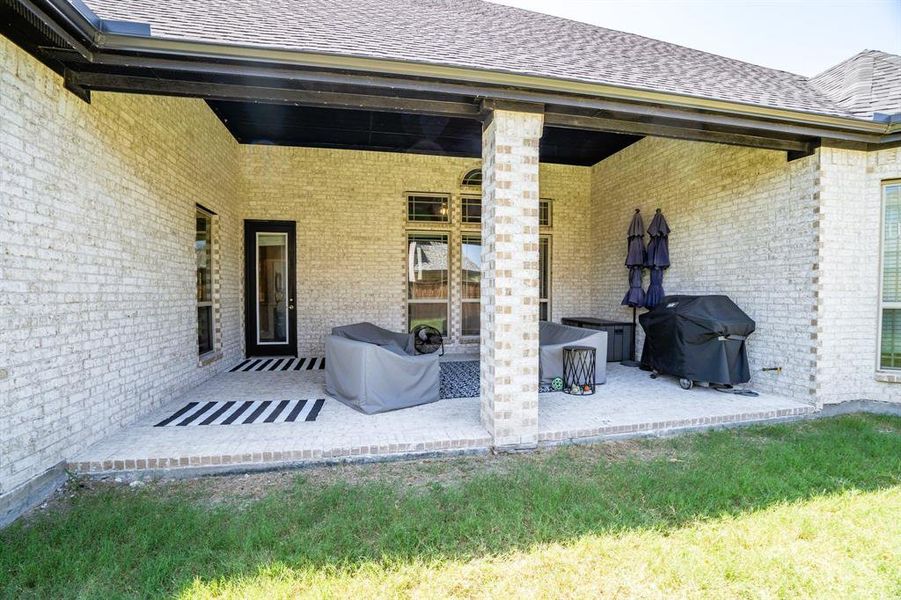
(890, 297)
(544, 278)
(471, 285)
(427, 280)
(203, 252)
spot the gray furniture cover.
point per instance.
(552, 337)
(375, 370)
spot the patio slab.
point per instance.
(629, 404)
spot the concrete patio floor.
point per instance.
(629, 404)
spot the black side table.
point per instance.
(579, 364)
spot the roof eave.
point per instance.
(276, 56)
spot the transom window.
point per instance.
(473, 177)
(471, 209)
(427, 280)
(890, 299)
(427, 208)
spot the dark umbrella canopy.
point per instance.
(657, 258)
(635, 259)
(655, 289)
(658, 247)
(635, 253)
(635, 297)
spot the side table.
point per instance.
(579, 370)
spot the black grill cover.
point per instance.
(701, 338)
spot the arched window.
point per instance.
(473, 178)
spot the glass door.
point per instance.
(270, 288)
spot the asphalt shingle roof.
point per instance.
(474, 34)
(869, 82)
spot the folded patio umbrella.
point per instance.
(655, 291)
(657, 258)
(636, 256)
(635, 297)
(658, 246)
(635, 251)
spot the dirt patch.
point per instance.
(243, 489)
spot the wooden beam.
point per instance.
(568, 121)
(492, 104)
(70, 81)
(272, 95)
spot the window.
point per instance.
(471, 283)
(473, 177)
(427, 283)
(544, 278)
(544, 213)
(890, 333)
(427, 208)
(471, 209)
(203, 251)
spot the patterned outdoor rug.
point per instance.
(460, 379)
(236, 412)
(280, 364)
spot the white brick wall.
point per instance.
(350, 209)
(743, 225)
(850, 189)
(510, 278)
(97, 259)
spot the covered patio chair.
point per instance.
(374, 370)
(553, 337)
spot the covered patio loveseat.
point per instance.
(374, 370)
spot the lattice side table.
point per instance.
(579, 363)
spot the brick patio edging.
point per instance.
(663, 427)
(190, 466)
(677, 427)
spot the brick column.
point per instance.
(509, 314)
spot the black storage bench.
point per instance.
(619, 335)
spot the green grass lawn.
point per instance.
(810, 509)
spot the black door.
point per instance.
(270, 259)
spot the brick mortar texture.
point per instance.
(97, 259)
(97, 250)
(743, 224)
(510, 291)
(850, 193)
(350, 209)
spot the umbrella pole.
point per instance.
(632, 362)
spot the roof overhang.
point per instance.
(122, 57)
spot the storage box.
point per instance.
(620, 335)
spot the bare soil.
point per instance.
(241, 489)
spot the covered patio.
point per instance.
(201, 163)
(630, 404)
(480, 217)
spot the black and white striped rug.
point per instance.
(280, 364)
(237, 412)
